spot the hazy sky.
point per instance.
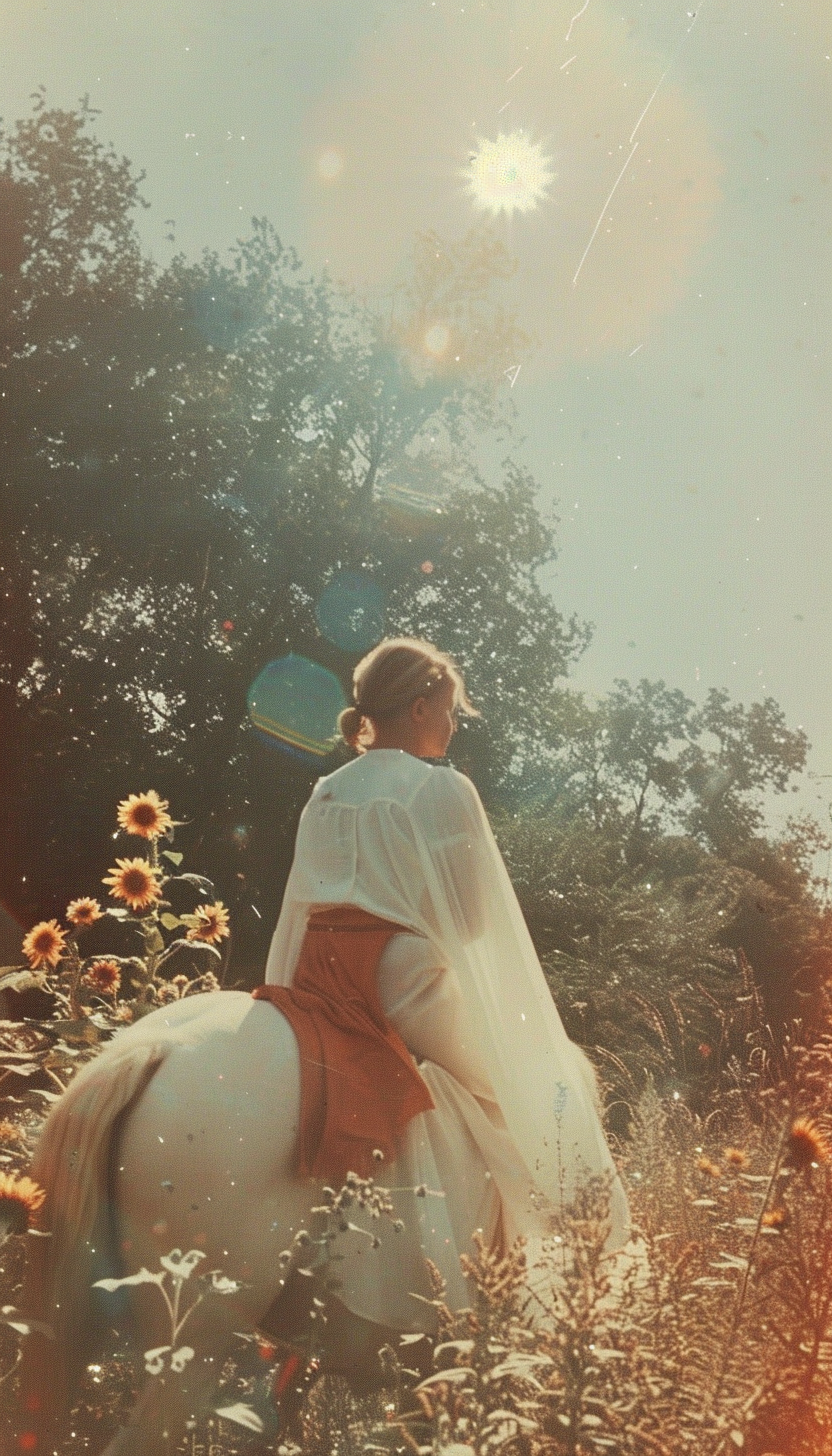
(678, 403)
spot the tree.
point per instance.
(191, 454)
(750, 750)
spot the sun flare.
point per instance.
(509, 175)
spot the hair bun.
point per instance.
(349, 724)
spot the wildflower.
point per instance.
(705, 1165)
(154, 1361)
(704, 1050)
(775, 1218)
(807, 1144)
(208, 923)
(136, 882)
(103, 977)
(123, 1013)
(221, 1285)
(166, 992)
(145, 815)
(180, 1265)
(19, 1199)
(736, 1157)
(10, 1132)
(181, 983)
(45, 944)
(83, 912)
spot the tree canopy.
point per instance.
(191, 455)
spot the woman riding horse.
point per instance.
(425, 1025)
(409, 1016)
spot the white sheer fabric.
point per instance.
(516, 1122)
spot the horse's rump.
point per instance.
(72, 1162)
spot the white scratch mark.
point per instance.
(568, 63)
(514, 370)
(668, 68)
(576, 17)
(635, 350)
(603, 213)
(503, 107)
(519, 68)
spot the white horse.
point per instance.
(180, 1134)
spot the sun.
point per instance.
(508, 175)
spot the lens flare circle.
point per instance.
(508, 175)
(293, 704)
(350, 611)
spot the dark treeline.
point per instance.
(189, 454)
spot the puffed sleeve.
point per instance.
(450, 817)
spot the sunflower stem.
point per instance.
(75, 969)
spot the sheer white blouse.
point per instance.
(516, 1122)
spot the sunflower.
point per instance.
(145, 814)
(19, 1199)
(83, 912)
(134, 881)
(45, 944)
(104, 977)
(807, 1144)
(208, 923)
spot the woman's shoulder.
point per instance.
(381, 774)
(394, 776)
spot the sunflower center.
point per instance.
(136, 882)
(14, 1214)
(145, 815)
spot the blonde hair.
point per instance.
(391, 677)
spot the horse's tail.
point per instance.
(72, 1163)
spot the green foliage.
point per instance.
(664, 968)
(206, 444)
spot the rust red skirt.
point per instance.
(359, 1086)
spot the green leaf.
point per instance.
(169, 921)
(173, 855)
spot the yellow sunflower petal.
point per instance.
(144, 815)
(136, 882)
(45, 944)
